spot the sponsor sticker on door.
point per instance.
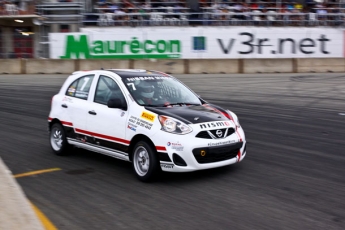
(148, 116)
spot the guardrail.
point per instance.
(176, 66)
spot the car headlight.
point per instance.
(172, 125)
(234, 118)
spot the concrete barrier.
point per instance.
(268, 66)
(10, 66)
(105, 64)
(173, 66)
(213, 66)
(16, 211)
(49, 66)
(320, 65)
(176, 66)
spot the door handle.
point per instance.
(92, 112)
(64, 106)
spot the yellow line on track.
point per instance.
(36, 172)
(44, 220)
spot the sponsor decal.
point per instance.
(67, 99)
(139, 122)
(83, 46)
(199, 43)
(167, 166)
(221, 143)
(146, 78)
(148, 116)
(131, 127)
(81, 94)
(71, 90)
(177, 146)
(250, 44)
(215, 124)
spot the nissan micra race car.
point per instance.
(149, 118)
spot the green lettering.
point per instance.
(76, 48)
(80, 47)
(123, 43)
(175, 46)
(112, 47)
(98, 47)
(146, 48)
(134, 46)
(161, 46)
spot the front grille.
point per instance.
(212, 134)
(203, 134)
(216, 154)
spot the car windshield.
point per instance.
(160, 91)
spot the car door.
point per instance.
(107, 125)
(76, 102)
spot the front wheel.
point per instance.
(145, 161)
(58, 141)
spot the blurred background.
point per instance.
(25, 24)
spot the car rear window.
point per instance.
(80, 88)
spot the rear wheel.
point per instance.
(145, 161)
(58, 141)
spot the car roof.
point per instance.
(125, 73)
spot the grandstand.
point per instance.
(25, 24)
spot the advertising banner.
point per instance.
(198, 43)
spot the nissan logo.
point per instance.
(219, 133)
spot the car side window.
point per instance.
(80, 88)
(107, 89)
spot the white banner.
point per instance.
(198, 43)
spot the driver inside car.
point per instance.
(146, 94)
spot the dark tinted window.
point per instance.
(107, 89)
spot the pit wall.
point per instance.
(176, 66)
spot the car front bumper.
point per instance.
(198, 153)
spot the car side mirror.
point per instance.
(117, 103)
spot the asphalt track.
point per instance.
(292, 178)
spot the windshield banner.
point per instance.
(197, 43)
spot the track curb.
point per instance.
(16, 211)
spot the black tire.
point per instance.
(58, 141)
(145, 162)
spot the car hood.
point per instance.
(193, 114)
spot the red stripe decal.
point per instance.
(50, 119)
(218, 111)
(239, 155)
(161, 148)
(102, 136)
(67, 123)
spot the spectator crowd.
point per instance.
(17, 7)
(236, 12)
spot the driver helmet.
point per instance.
(146, 90)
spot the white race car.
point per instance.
(148, 118)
